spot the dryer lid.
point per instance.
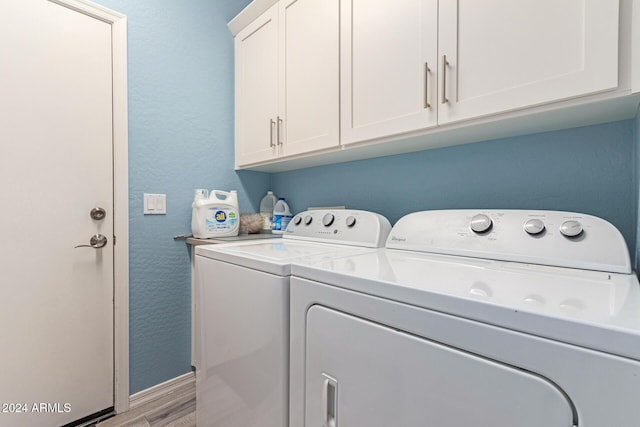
(593, 309)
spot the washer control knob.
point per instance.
(297, 220)
(481, 223)
(308, 219)
(534, 226)
(351, 221)
(571, 228)
(328, 219)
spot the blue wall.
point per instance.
(589, 170)
(636, 180)
(180, 138)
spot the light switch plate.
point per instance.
(155, 204)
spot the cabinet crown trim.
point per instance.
(249, 14)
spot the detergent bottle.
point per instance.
(281, 216)
(267, 204)
(215, 216)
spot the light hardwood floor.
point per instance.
(177, 409)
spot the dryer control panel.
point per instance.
(345, 226)
(564, 239)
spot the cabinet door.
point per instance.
(503, 54)
(256, 49)
(309, 75)
(388, 69)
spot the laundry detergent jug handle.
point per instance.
(219, 195)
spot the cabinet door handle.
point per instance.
(279, 133)
(271, 126)
(445, 66)
(329, 401)
(427, 71)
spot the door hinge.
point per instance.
(114, 240)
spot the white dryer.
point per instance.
(467, 318)
(242, 372)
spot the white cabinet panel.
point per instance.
(391, 378)
(309, 74)
(256, 49)
(386, 48)
(325, 81)
(500, 56)
(503, 55)
(287, 81)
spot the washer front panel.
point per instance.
(242, 371)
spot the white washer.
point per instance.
(467, 318)
(243, 313)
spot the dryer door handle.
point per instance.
(329, 401)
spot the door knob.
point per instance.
(97, 241)
(98, 213)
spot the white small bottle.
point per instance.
(281, 216)
(266, 211)
(201, 194)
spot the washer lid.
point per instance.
(328, 232)
(588, 308)
(275, 255)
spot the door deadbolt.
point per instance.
(97, 241)
(98, 213)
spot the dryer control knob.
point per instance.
(327, 220)
(481, 223)
(571, 228)
(297, 220)
(534, 226)
(351, 221)
(308, 219)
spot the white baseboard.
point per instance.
(161, 390)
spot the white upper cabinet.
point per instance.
(309, 75)
(328, 81)
(389, 52)
(415, 64)
(503, 54)
(256, 50)
(287, 81)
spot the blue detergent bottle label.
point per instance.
(280, 222)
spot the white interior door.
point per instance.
(56, 157)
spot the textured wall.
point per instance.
(180, 138)
(636, 180)
(588, 170)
